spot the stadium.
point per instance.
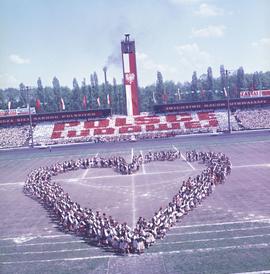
(180, 188)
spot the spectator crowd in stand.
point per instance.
(253, 118)
(104, 230)
(240, 120)
(188, 123)
(14, 136)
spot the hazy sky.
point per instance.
(73, 38)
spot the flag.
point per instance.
(202, 93)
(9, 105)
(84, 101)
(98, 101)
(38, 104)
(108, 99)
(165, 98)
(225, 92)
(63, 107)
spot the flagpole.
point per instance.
(178, 91)
(228, 103)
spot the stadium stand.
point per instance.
(222, 118)
(123, 128)
(14, 136)
(253, 119)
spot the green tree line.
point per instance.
(80, 97)
(203, 88)
(90, 94)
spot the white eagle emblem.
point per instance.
(130, 77)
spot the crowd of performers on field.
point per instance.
(106, 231)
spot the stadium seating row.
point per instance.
(122, 128)
(14, 136)
(187, 122)
(253, 119)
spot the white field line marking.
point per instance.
(137, 174)
(218, 231)
(132, 154)
(133, 194)
(108, 266)
(12, 184)
(224, 223)
(23, 239)
(133, 201)
(87, 169)
(63, 259)
(209, 249)
(184, 158)
(143, 167)
(214, 239)
(44, 251)
(85, 173)
(254, 272)
(184, 251)
(63, 156)
(256, 165)
(102, 177)
(159, 243)
(8, 238)
(45, 243)
(169, 234)
(168, 183)
(104, 188)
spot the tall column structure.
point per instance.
(130, 75)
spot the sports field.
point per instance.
(228, 233)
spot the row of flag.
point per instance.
(63, 106)
(178, 94)
(84, 103)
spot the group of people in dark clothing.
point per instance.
(105, 230)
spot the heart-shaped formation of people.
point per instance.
(105, 231)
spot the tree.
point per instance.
(265, 79)
(23, 96)
(240, 79)
(122, 99)
(171, 91)
(103, 96)
(76, 100)
(194, 86)
(40, 93)
(2, 99)
(222, 78)
(203, 87)
(95, 90)
(84, 93)
(159, 94)
(51, 103)
(209, 79)
(146, 98)
(91, 92)
(110, 94)
(256, 81)
(57, 95)
(52, 95)
(115, 98)
(194, 82)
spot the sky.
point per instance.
(74, 38)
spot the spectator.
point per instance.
(14, 136)
(253, 119)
